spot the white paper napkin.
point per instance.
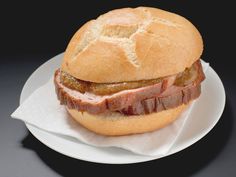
(42, 110)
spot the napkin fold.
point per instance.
(42, 110)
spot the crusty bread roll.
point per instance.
(115, 124)
(132, 44)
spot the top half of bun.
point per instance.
(132, 44)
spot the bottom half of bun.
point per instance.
(116, 124)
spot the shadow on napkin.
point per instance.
(184, 163)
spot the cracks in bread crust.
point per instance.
(89, 36)
(132, 44)
(119, 35)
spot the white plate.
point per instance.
(205, 114)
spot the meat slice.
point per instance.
(154, 98)
(181, 79)
(160, 103)
(96, 104)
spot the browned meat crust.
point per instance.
(160, 96)
(69, 81)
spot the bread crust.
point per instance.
(116, 124)
(132, 44)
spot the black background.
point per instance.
(32, 32)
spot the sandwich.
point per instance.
(131, 70)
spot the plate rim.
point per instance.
(185, 145)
